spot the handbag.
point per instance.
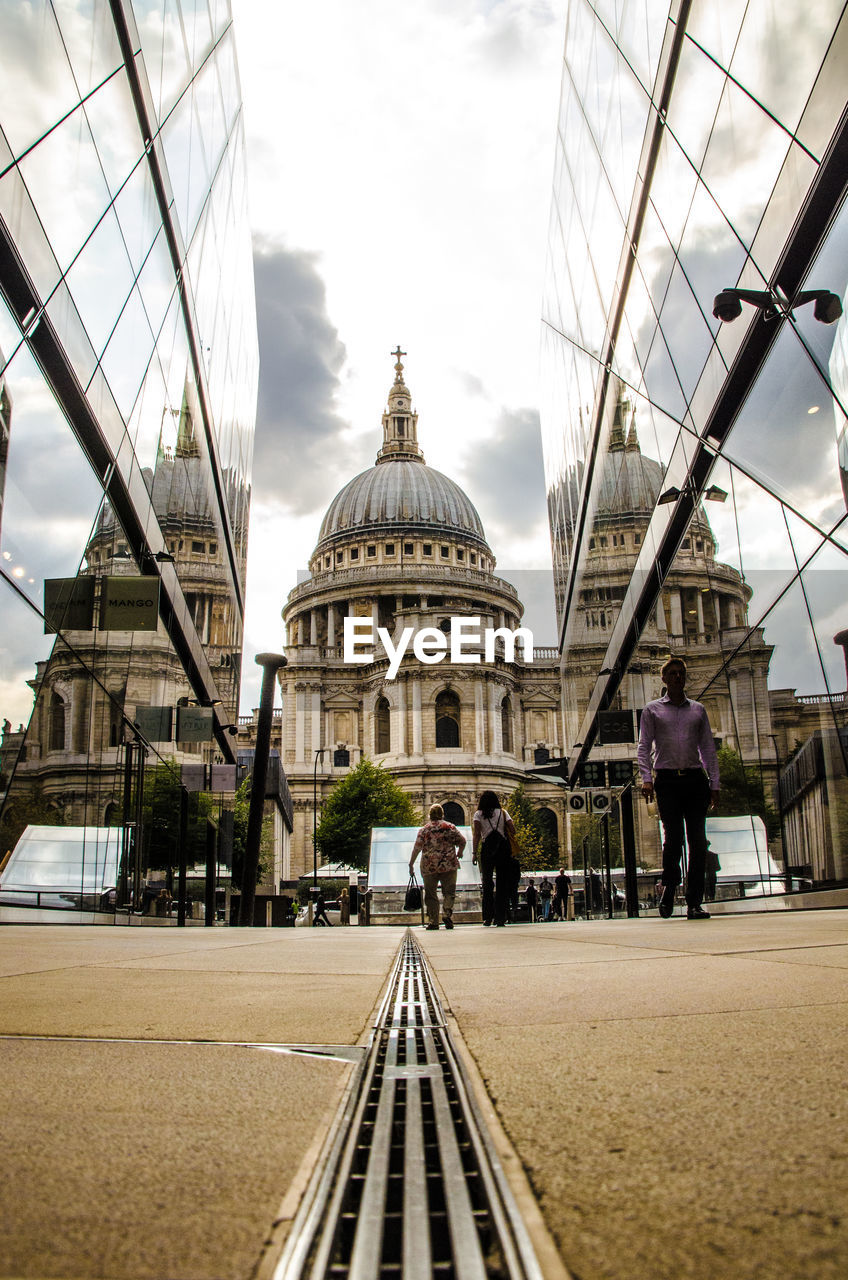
(412, 898)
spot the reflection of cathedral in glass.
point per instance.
(130, 355)
(661, 200)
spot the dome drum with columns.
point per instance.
(403, 544)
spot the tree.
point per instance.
(26, 806)
(531, 836)
(161, 819)
(742, 791)
(366, 797)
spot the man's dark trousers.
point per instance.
(683, 799)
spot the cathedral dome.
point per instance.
(631, 483)
(400, 492)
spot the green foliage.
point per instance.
(26, 806)
(742, 792)
(366, 797)
(241, 813)
(533, 840)
(161, 819)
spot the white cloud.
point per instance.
(400, 167)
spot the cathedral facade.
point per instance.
(402, 548)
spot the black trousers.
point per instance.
(683, 800)
(497, 882)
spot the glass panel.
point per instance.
(157, 284)
(100, 281)
(716, 27)
(641, 29)
(825, 579)
(686, 331)
(127, 354)
(743, 158)
(10, 335)
(829, 342)
(36, 84)
(785, 446)
(66, 161)
(163, 47)
(114, 127)
(768, 28)
(88, 31)
(698, 87)
(50, 489)
(20, 217)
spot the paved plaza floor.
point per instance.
(673, 1092)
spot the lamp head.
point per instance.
(827, 308)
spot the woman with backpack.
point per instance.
(491, 828)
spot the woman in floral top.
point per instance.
(440, 846)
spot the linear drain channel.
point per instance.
(411, 1187)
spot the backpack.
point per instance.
(496, 846)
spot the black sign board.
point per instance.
(194, 724)
(592, 773)
(615, 726)
(620, 772)
(223, 777)
(155, 723)
(129, 604)
(68, 604)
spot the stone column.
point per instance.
(400, 719)
(676, 614)
(315, 698)
(417, 725)
(331, 626)
(300, 725)
(479, 718)
(313, 627)
(699, 605)
(495, 731)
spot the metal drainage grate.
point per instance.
(411, 1187)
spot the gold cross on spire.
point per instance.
(398, 365)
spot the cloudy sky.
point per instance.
(400, 161)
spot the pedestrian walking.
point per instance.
(319, 912)
(531, 897)
(546, 890)
(562, 889)
(678, 763)
(440, 845)
(491, 827)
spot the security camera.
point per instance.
(726, 306)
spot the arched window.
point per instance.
(57, 722)
(454, 813)
(547, 820)
(447, 719)
(382, 727)
(506, 725)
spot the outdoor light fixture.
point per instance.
(727, 305)
(713, 494)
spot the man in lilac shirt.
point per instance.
(675, 740)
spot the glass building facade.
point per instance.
(128, 380)
(696, 467)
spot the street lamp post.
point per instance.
(270, 663)
(319, 755)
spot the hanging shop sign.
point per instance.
(68, 604)
(129, 604)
